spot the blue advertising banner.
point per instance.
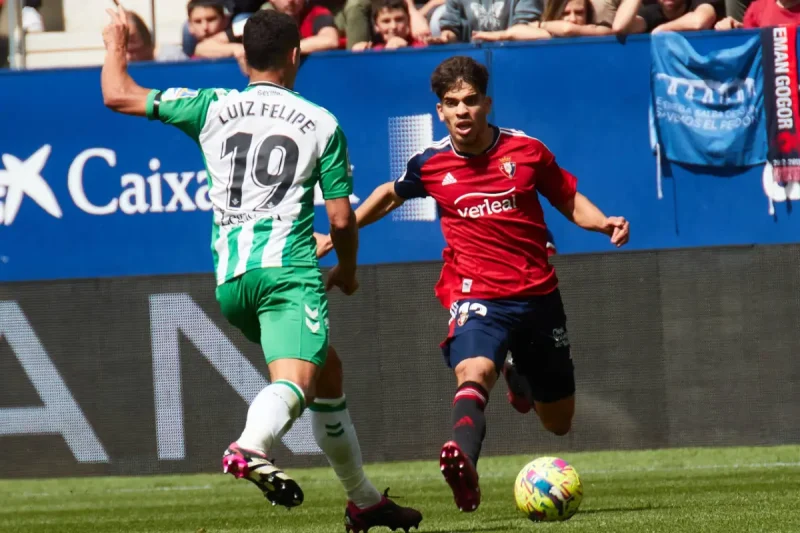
(86, 193)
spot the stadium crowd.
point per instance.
(214, 27)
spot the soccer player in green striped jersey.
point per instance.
(265, 149)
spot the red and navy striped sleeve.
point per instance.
(410, 185)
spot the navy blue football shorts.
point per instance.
(533, 331)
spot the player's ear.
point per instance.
(295, 56)
(487, 104)
(439, 111)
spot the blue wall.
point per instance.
(586, 99)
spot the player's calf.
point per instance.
(556, 416)
(271, 414)
(475, 376)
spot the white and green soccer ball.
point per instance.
(548, 489)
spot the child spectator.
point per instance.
(235, 11)
(354, 20)
(391, 27)
(210, 25)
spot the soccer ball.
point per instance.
(548, 489)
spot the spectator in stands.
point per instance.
(392, 27)
(561, 18)
(433, 11)
(140, 40)
(32, 21)
(736, 8)
(210, 26)
(317, 28)
(615, 13)
(462, 18)
(765, 13)
(3, 37)
(237, 11)
(353, 19)
(676, 15)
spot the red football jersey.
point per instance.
(491, 217)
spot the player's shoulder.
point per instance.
(520, 139)
(442, 146)
(175, 94)
(321, 115)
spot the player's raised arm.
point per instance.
(380, 203)
(581, 211)
(120, 92)
(560, 189)
(383, 200)
(389, 196)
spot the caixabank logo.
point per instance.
(138, 194)
(22, 179)
(167, 192)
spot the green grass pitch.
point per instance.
(670, 491)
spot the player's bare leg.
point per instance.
(336, 436)
(269, 417)
(475, 377)
(556, 416)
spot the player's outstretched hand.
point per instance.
(116, 32)
(344, 279)
(619, 229)
(324, 244)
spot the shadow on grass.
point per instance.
(618, 509)
(496, 525)
(484, 529)
(502, 525)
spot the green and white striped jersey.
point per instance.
(265, 148)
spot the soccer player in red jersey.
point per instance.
(497, 282)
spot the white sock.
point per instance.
(271, 415)
(336, 437)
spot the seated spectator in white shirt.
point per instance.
(32, 21)
(561, 18)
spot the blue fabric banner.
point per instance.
(707, 110)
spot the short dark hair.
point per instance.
(220, 6)
(454, 70)
(268, 38)
(379, 5)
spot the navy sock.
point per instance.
(469, 420)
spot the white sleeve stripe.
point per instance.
(520, 133)
(438, 145)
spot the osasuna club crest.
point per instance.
(508, 167)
